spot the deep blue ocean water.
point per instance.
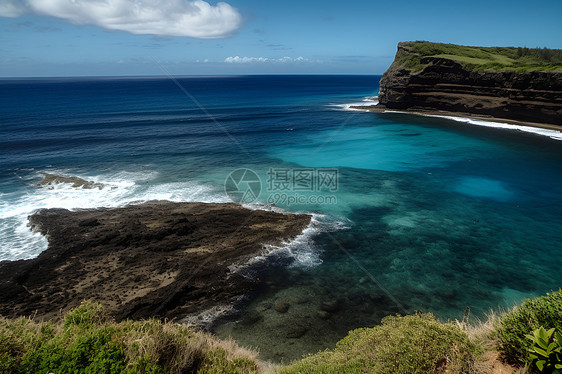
(427, 214)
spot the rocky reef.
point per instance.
(160, 259)
(445, 83)
(51, 180)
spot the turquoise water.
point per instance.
(428, 214)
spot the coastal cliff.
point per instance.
(476, 80)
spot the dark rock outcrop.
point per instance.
(444, 84)
(155, 259)
(54, 179)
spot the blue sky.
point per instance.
(126, 37)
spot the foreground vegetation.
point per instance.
(545, 312)
(519, 59)
(411, 344)
(89, 341)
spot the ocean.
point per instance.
(410, 213)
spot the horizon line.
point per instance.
(181, 76)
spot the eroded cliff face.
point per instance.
(444, 84)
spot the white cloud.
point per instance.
(246, 60)
(194, 18)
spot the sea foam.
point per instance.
(370, 101)
(553, 134)
(367, 102)
(123, 188)
(120, 189)
(302, 248)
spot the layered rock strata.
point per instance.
(445, 84)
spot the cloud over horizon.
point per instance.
(192, 18)
(246, 60)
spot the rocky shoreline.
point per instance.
(380, 108)
(157, 259)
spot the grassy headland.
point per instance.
(519, 59)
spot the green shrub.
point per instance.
(543, 311)
(86, 314)
(410, 344)
(546, 351)
(91, 351)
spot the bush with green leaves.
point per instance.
(410, 344)
(87, 314)
(511, 334)
(546, 351)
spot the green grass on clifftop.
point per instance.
(519, 59)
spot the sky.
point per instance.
(47, 38)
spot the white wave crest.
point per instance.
(553, 134)
(120, 189)
(367, 102)
(302, 248)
